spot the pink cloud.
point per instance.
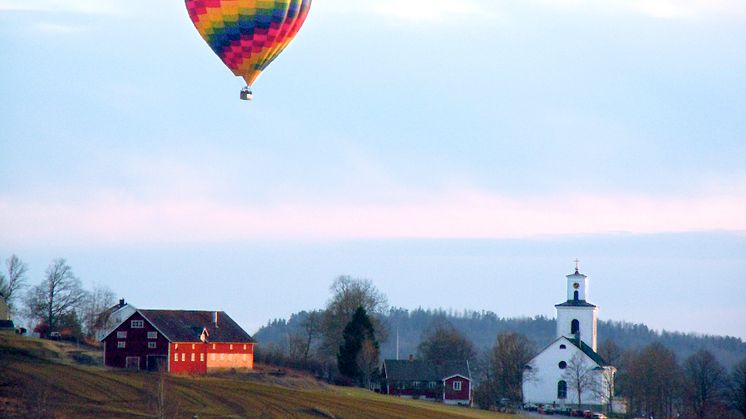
(452, 214)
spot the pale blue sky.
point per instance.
(408, 142)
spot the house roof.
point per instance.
(187, 326)
(7, 324)
(575, 303)
(405, 370)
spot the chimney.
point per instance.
(121, 302)
(411, 357)
(216, 319)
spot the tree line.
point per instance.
(347, 340)
(58, 303)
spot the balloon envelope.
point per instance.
(248, 34)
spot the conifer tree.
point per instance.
(357, 331)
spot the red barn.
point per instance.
(186, 342)
(449, 382)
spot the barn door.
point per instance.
(132, 363)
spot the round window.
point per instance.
(576, 285)
(563, 365)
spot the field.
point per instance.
(45, 379)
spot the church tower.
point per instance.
(576, 317)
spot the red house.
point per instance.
(190, 342)
(449, 382)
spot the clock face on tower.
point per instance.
(576, 285)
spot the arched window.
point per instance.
(562, 389)
(563, 365)
(575, 327)
(563, 346)
(576, 295)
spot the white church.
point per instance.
(552, 376)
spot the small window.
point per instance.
(121, 344)
(183, 357)
(231, 346)
(563, 346)
(137, 324)
(431, 384)
(457, 385)
(244, 347)
(192, 356)
(562, 365)
(176, 346)
(152, 335)
(151, 345)
(176, 357)
(574, 326)
(213, 346)
(121, 335)
(201, 357)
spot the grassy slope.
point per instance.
(37, 372)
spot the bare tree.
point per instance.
(580, 376)
(59, 293)
(368, 361)
(347, 295)
(651, 380)
(15, 281)
(95, 306)
(704, 383)
(737, 390)
(312, 328)
(442, 342)
(504, 370)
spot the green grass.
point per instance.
(40, 376)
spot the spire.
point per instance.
(577, 265)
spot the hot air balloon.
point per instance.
(248, 35)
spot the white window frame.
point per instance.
(457, 386)
(176, 357)
(183, 357)
(137, 324)
(151, 345)
(121, 344)
(152, 335)
(122, 335)
(201, 357)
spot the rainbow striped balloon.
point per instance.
(248, 34)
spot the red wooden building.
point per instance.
(449, 382)
(190, 342)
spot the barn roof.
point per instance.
(405, 370)
(187, 326)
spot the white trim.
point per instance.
(457, 375)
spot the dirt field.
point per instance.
(42, 379)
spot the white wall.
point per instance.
(542, 388)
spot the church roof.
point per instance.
(575, 303)
(587, 350)
(590, 352)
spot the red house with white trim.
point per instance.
(449, 381)
(181, 342)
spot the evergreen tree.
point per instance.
(357, 331)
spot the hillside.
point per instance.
(43, 379)
(483, 327)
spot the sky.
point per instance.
(460, 154)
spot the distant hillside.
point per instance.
(482, 328)
(43, 379)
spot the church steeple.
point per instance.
(576, 317)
